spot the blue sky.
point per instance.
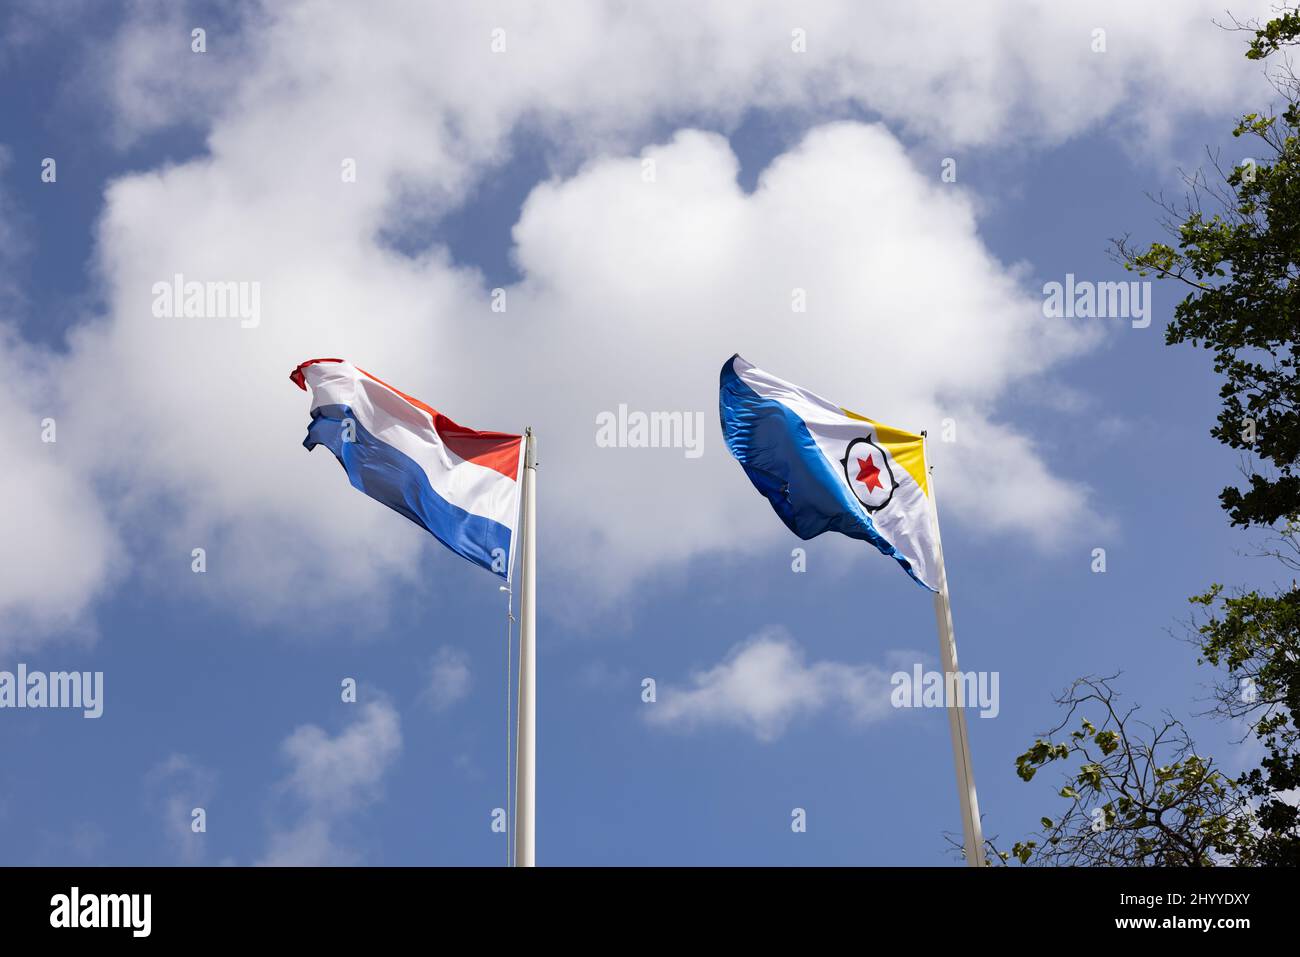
(210, 679)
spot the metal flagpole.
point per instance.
(526, 737)
(970, 810)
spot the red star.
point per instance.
(868, 474)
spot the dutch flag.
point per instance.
(460, 485)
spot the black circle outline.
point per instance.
(884, 458)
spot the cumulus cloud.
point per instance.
(638, 306)
(61, 550)
(311, 843)
(60, 546)
(602, 69)
(449, 678)
(331, 778)
(765, 683)
(152, 73)
(674, 276)
(632, 291)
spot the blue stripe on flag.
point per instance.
(393, 477)
(780, 456)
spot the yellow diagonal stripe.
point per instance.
(907, 449)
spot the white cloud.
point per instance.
(153, 76)
(341, 773)
(636, 292)
(662, 282)
(449, 678)
(176, 786)
(60, 548)
(310, 843)
(959, 73)
(764, 684)
(333, 777)
(632, 292)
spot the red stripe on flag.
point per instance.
(498, 451)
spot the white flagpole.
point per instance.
(972, 832)
(526, 738)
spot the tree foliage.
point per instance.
(1255, 639)
(1235, 247)
(1139, 794)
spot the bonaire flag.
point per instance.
(826, 469)
(460, 485)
